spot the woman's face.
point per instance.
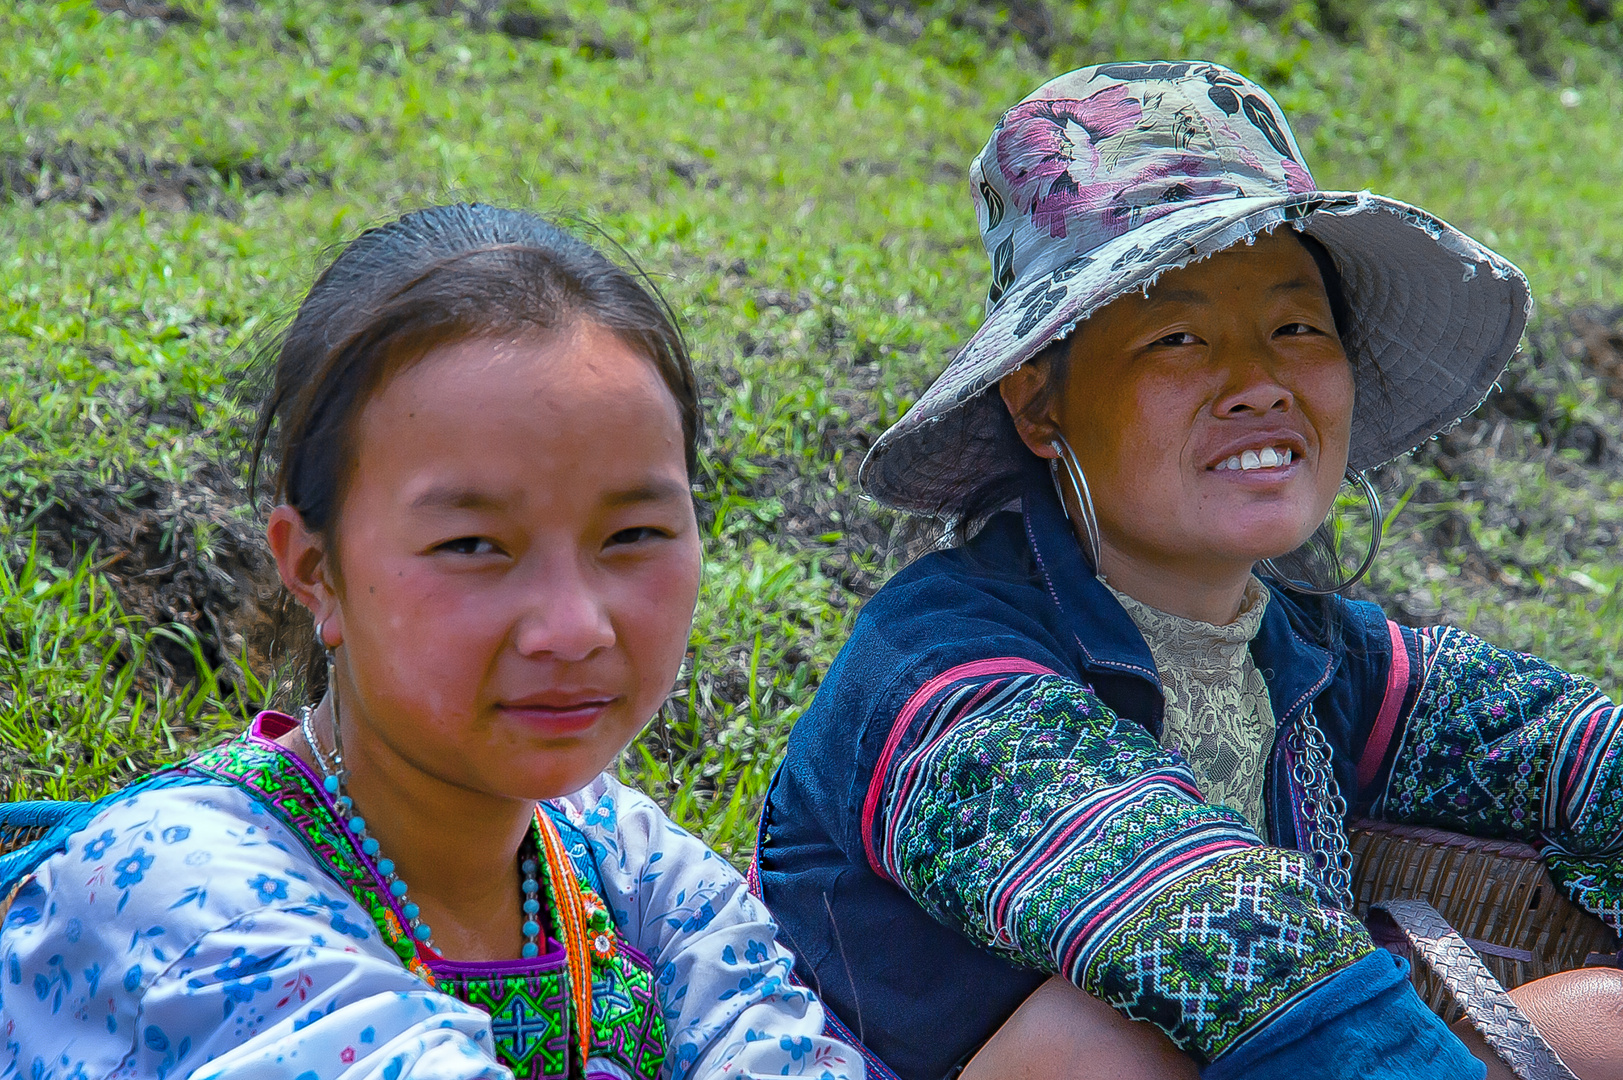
(518, 561)
(1211, 417)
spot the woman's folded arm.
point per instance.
(1029, 816)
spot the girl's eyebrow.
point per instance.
(470, 498)
(656, 491)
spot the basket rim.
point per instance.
(1443, 838)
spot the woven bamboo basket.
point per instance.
(1496, 893)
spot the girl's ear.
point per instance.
(303, 564)
(1037, 428)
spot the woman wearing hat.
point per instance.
(1092, 765)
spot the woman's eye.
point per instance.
(468, 545)
(637, 534)
(1296, 329)
(1182, 337)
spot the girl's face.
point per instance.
(518, 561)
(1212, 417)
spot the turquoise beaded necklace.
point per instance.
(333, 777)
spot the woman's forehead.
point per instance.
(1274, 258)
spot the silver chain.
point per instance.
(1322, 806)
(330, 766)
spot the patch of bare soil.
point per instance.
(98, 180)
(1527, 466)
(1010, 20)
(146, 9)
(532, 21)
(177, 556)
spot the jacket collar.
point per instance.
(1104, 632)
(1295, 669)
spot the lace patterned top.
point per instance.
(1217, 711)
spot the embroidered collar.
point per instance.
(599, 991)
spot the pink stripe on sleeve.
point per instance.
(1397, 685)
(1003, 665)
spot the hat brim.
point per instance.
(1434, 319)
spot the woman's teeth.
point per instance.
(1266, 458)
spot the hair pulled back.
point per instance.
(433, 277)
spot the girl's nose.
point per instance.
(565, 618)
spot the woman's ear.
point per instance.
(303, 564)
(1037, 428)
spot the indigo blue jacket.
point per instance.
(976, 800)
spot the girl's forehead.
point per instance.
(530, 414)
(578, 367)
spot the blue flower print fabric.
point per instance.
(186, 932)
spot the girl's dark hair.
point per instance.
(436, 276)
(1315, 561)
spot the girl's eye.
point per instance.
(468, 545)
(1296, 329)
(637, 534)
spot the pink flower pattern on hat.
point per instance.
(1049, 151)
(1296, 178)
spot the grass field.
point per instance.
(793, 175)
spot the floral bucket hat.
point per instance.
(1109, 176)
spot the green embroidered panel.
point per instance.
(530, 1010)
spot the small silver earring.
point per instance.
(332, 689)
(1064, 455)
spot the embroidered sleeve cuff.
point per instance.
(1365, 1022)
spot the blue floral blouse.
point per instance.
(186, 932)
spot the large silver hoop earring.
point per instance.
(1375, 523)
(1065, 456)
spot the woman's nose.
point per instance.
(1253, 388)
(565, 617)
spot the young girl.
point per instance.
(484, 436)
(1070, 803)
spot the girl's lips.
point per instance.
(561, 718)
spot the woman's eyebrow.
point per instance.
(1292, 285)
(1196, 296)
(1179, 296)
(458, 498)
